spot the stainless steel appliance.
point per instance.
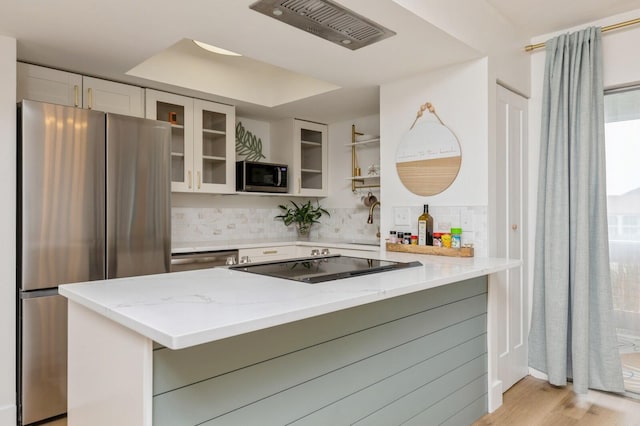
(324, 268)
(202, 260)
(261, 177)
(93, 203)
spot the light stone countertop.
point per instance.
(184, 309)
(199, 246)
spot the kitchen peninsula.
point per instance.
(221, 346)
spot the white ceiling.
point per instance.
(547, 16)
(109, 38)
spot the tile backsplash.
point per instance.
(204, 224)
(222, 224)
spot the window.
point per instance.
(622, 138)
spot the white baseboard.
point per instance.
(495, 396)
(538, 374)
(8, 415)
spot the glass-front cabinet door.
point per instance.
(214, 147)
(310, 158)
(177, 110)
(202, 141)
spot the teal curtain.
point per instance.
(572, 333)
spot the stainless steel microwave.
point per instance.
(252, 176)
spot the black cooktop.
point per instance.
(323, 268)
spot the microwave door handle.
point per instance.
(279, 176)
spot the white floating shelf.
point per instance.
(214, 132)
(367, 142)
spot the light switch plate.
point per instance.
(401, 216)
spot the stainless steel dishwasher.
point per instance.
(202, 260)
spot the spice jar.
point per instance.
(407, 238)
(393, 237)
(456, 237)
(414, 240)
(446, 239)
(437, 241)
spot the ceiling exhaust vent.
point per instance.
(325, 19)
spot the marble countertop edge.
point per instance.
(309, 301)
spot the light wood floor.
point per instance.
(535, 402)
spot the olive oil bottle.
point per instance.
(425, 228)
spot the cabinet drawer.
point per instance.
(265, 254)
(304, 251)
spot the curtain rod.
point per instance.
(530, 47)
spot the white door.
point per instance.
(511, 286)
(109, 96)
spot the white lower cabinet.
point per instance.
(276, 253)
(304, 251)
(266, 254)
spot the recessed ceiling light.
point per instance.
(277, 12)
(215, 49)
(346, 41)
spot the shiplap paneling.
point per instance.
(315, 372)
(176, 368)
(383, 378)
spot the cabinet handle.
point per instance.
(90, 102)
(189, 179)
(514, 227)
(270, 252)
(299, 186)
(199, 180)
(76, 97)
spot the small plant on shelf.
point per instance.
(303, 215)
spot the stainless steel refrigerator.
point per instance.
(93, 203)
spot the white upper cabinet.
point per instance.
(202, 141)
(214, 146)
(177, 110)
(305, 151)
(64, 88)
(109, 96)
(48, 85)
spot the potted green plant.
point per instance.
(303, 215)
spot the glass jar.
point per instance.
(456, 237)
(446, 239)
(437, 241)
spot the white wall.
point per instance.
(459, 95)
(621, 67)
(7, 230)
(479, 25)
(261, 130)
